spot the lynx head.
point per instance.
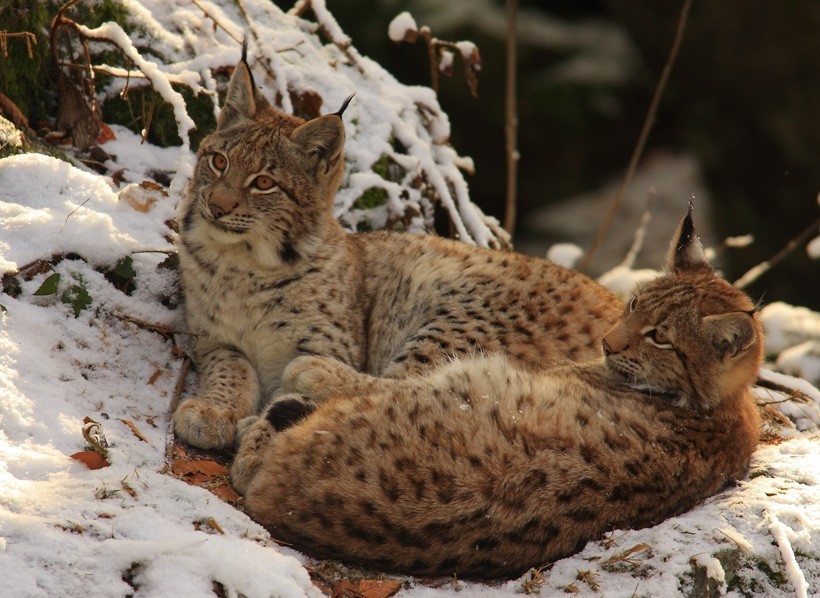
(265, 179)
(688, 336)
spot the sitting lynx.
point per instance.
(484, 468)
(268, 275)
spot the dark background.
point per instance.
(744, 99)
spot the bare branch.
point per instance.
(511, 127)
(756, 272)
(647, 127)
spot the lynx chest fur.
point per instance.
(268, 275)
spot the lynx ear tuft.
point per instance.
(686, 255)
(322, 141)
(341, 110)
(241, 100)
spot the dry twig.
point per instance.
(647, 127)
(754, 273)
(511, 127)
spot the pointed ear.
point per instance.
(241, 101)
(686, 252)
(733, 333)
(322, 141)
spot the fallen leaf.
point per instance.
(366, 588)
(154, 377)
(379, 588)
(208, 522)
(204, 473)
(105, 134)
(91, 459)
(626, 554)
(142, 196)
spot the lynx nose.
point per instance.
(221, 204)
(216, 210)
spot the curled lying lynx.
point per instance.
(484, 468)
(268, 274)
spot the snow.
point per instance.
(66, 530)
(565, 254)
(131, 529)
(400, 26)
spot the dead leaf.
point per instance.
(105, 134)
(379, 588)
(626, 554)
(205, 473)
(154, 377)
(142, 196)
(210, 523)
(128, 489)
(91, 459)
(366, 588)
(12, 112)
(134, 429)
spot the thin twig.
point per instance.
(216, 22)
(87, 199)
(640, 233)
(756, 272)
(647, 127)
(31, 40)
(169, 444)
(511, 127)
(163, 329)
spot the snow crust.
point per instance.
(131, 529)
(399, 27)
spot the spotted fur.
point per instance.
(268, 275)
(484, 468)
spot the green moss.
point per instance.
(31, 82)
(387, 168)
(143, 106)
(27, 81)
(373, 197)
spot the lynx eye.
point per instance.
(219, 162)
(263, 182)
(657, 337)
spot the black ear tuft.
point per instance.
(341, 110)
(241, 99)
(686, 252)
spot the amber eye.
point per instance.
(219, 162)
(264, 183)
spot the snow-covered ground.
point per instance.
(75, 346)
(131, 529)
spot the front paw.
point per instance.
(251, 453)
(204, 425)
(316, 377)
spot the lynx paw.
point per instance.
(205, 426)
(251, 454)
(318, 377)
